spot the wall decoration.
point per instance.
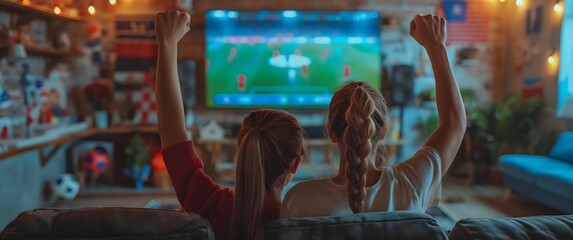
(465, 15)
(534, 20)
(532, 87)
(146, 107)
(136, 49)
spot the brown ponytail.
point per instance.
(250, 197)
(269, 143)
(357, 116)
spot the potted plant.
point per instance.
(508, 126)
(100, 94)
(137, 164)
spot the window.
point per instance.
(565, 84)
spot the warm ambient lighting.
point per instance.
(57, 10)
(92, 10)
(519, 3)
(502, 1)
(26, 2)
(112, 2)
(557, 7)
(551, 59)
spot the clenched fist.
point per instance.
(428, 30)
(171, 26)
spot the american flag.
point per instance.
(468, 20)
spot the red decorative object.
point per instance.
(157, 163)
(100, 94)
(96, 160)
(146, 107)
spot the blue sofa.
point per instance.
(547, 179)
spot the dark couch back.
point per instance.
(107, 223)
(380, 225)
(538, 228)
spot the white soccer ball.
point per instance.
(66, 186)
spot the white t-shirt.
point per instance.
(413, 185)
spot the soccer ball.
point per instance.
(66, 186)
(96, 160)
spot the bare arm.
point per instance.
(170, 28)
(430, 32)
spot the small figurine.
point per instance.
(23, 37)
(6, 128)
(63, 40)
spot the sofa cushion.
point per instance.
(374, 225)
(525, 167)
(538, 227)
(563, 148)
(107, 223)
(558, 181)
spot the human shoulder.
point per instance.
(307, 188)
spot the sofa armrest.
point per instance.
(107, 223)
(538, 227)
(373, 225)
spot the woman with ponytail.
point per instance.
(357, 122)
(270, 147)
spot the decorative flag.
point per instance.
(468, 21)
(146, 107)
(135, 47)
(532, 87)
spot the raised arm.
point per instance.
(170, 27)
(430, 32)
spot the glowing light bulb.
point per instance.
(57, 10)
(519, 3)
(502, 1)
(557, 7)
(551, 59)
(92, 10)
(26, 2)
(112, 2)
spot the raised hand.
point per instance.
(171, 26)
(428, 30)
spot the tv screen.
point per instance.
(288, 59)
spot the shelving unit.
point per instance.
(37, 10)
(57, 143)
(48, 52)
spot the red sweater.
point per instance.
(198, 193)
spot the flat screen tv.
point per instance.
(288, 59)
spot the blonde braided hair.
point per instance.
(357, 116)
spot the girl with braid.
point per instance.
(269, 149)
(357, 122)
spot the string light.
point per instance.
(92, 9)
(519, 3)
(57, 10)
(557, 7)
(551, 59)
(112, 2)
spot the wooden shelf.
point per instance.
(37, 10)
(49, 52)
(74, 137)
(42, 51)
